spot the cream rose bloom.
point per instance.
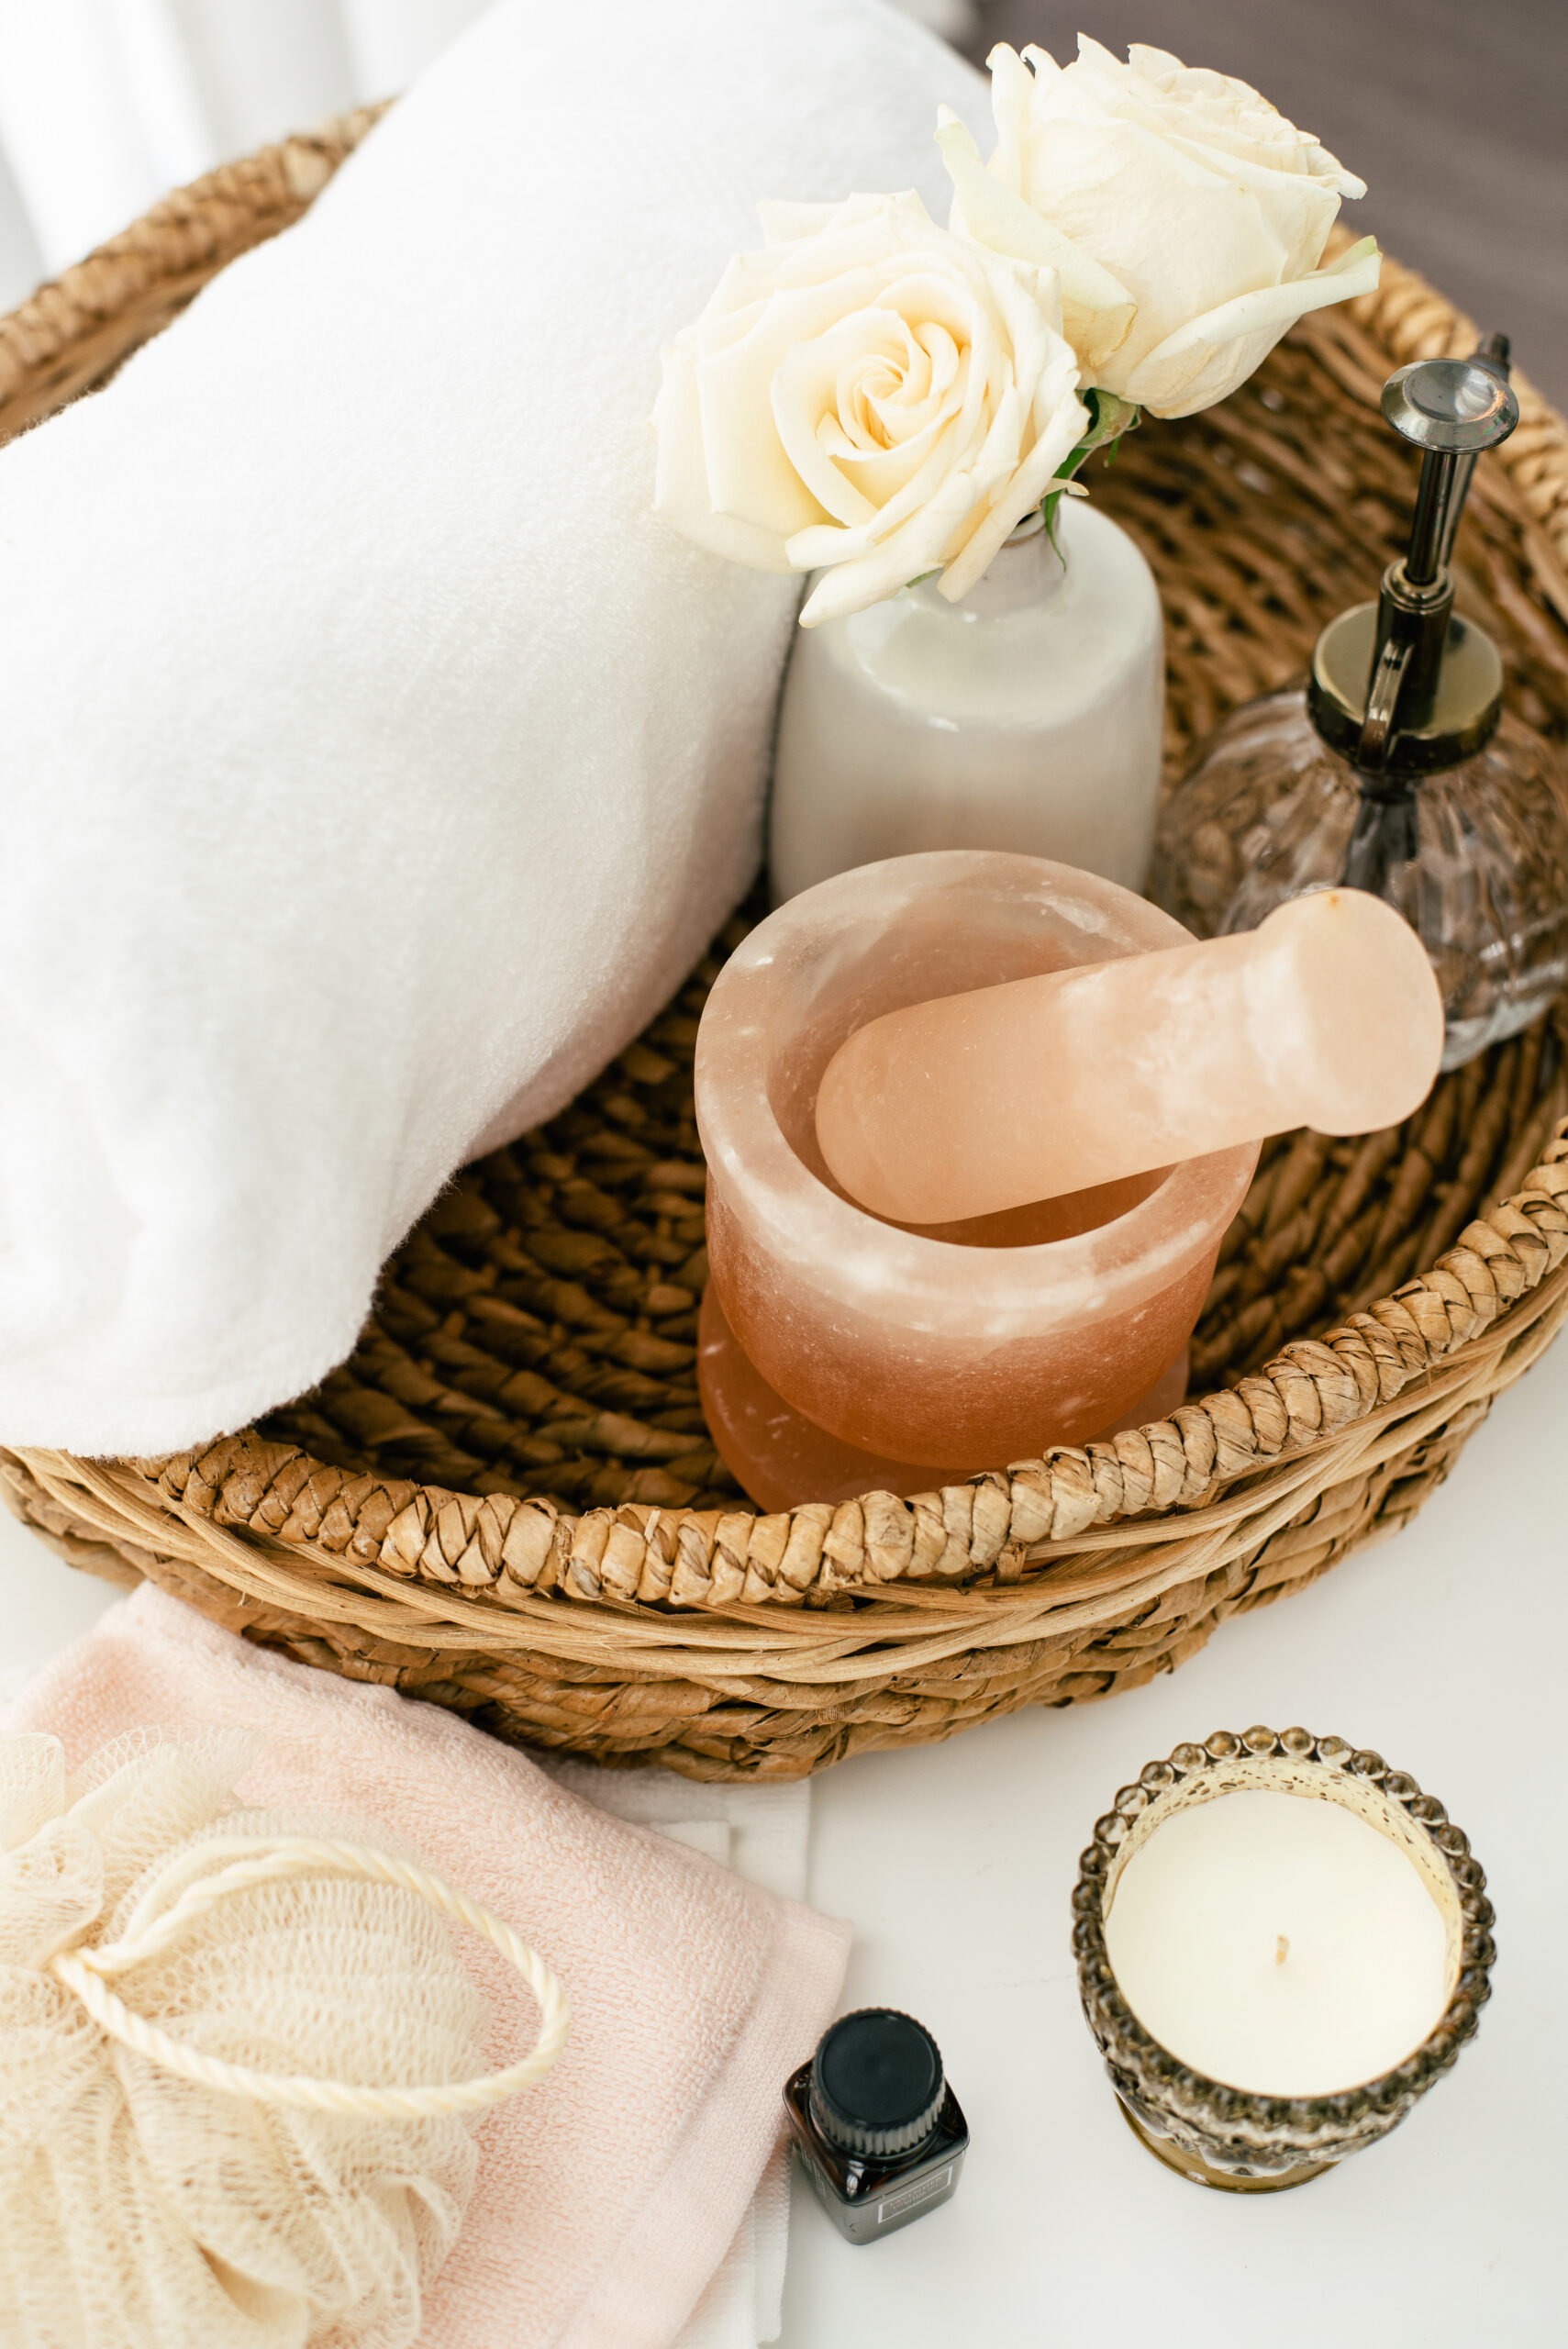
(870, 396)
(1179, 188)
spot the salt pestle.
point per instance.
(1327, 1015)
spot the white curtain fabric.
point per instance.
(105, 105)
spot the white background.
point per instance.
(1445, 1650)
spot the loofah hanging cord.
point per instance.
(85, 1971)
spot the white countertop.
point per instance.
(1445, 1649)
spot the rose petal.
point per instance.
(681, 490)
(749, 473)
(1011, 88)
(867, 578)
(782, 222)
(1096, 308)
(1251, 118)
(811, 550)
(1067, 425)
(807, 397)
(804, 386)
(1177, 234)
(1206, 359)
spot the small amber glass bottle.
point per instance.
(879, 2132)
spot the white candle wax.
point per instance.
(1278, 1944)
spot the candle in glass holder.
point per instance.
(1328, 1015)
(1282, 1942)
(956, 1349)
(1277, 1944)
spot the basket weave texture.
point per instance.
(506, 1502)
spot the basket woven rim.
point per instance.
(434, 1556)
(217, 1512)
(1504, 1279)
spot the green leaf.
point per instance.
(1109, 418)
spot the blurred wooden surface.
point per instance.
(1454, 112)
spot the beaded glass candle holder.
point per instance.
(1238, 2139)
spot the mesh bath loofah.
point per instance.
(237, 2055)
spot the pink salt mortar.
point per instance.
(955, 1351)
(781, 1458)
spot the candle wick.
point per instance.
(1281, 1949)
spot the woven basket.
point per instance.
(505, 1500)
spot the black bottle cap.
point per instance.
(876, 2083)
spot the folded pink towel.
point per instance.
(607, 2195)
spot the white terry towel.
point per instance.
(373, 762)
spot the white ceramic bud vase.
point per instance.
(1028, 718)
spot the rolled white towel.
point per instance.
(373, 762)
